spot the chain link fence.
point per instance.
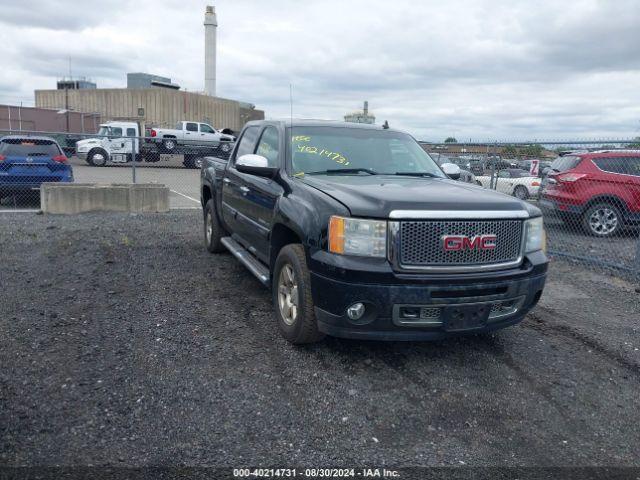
(116, 156)
(588, 191)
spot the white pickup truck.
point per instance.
(188, 133)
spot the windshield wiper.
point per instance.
(418, 174)
(344, 170)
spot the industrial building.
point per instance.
(147, 80)
(155, 100)
(159, 107)
(14, 118)
(75, 83)
(361, 116)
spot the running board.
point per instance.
(252, 263)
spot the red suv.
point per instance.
(601, 190)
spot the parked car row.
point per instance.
(514, 181)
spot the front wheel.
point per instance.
(292, 297)
(213, 231)
(602, 220)
(97, 158)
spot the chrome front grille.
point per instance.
(420, 243)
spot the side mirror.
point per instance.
(451, 170)
(255, 165)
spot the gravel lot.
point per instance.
(123, 342)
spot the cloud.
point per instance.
(490, 68)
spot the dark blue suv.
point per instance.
(27, 162)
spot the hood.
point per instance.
(377, 195)
(87, 141)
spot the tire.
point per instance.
(478, 183)
(213, 231)
(521, 192)
(602, 220)
(193, 162)
(97, 158)
(292, 297)
(169, 144)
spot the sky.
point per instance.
(478, 69)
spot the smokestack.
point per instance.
(366, 108)
(210, 28)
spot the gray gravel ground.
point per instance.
(123, 342)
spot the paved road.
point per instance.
(184, 183)
(124, 343)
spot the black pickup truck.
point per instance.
(360, 234)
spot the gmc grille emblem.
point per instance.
(456, 243)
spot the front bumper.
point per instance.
(82, 155)
(463, 304)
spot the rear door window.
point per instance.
(131, 132)
(562, 164)
(621, 165)
(29, 148)
(191, 127)
(633, 166)
(248, 141)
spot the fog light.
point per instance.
(355, 311)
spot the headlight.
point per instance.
(535, 235)
(354, 236)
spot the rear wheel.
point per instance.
(292, 297)
(521, 192)
(213, 231)
(169, 144)
(602, 220)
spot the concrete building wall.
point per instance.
(162, 107)
(15, 118)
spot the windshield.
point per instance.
(104, 131)
(28, 148)
(318, 150)
(562, 164)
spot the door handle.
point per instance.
(244, 189)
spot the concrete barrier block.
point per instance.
(73, 198)
(151, 198)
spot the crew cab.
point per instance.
(360, 234)
(115, 142)
(187, 133)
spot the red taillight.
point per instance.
(153, 132)
(535, 184)
(570, 177)
(60, 159)
(2, 157)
